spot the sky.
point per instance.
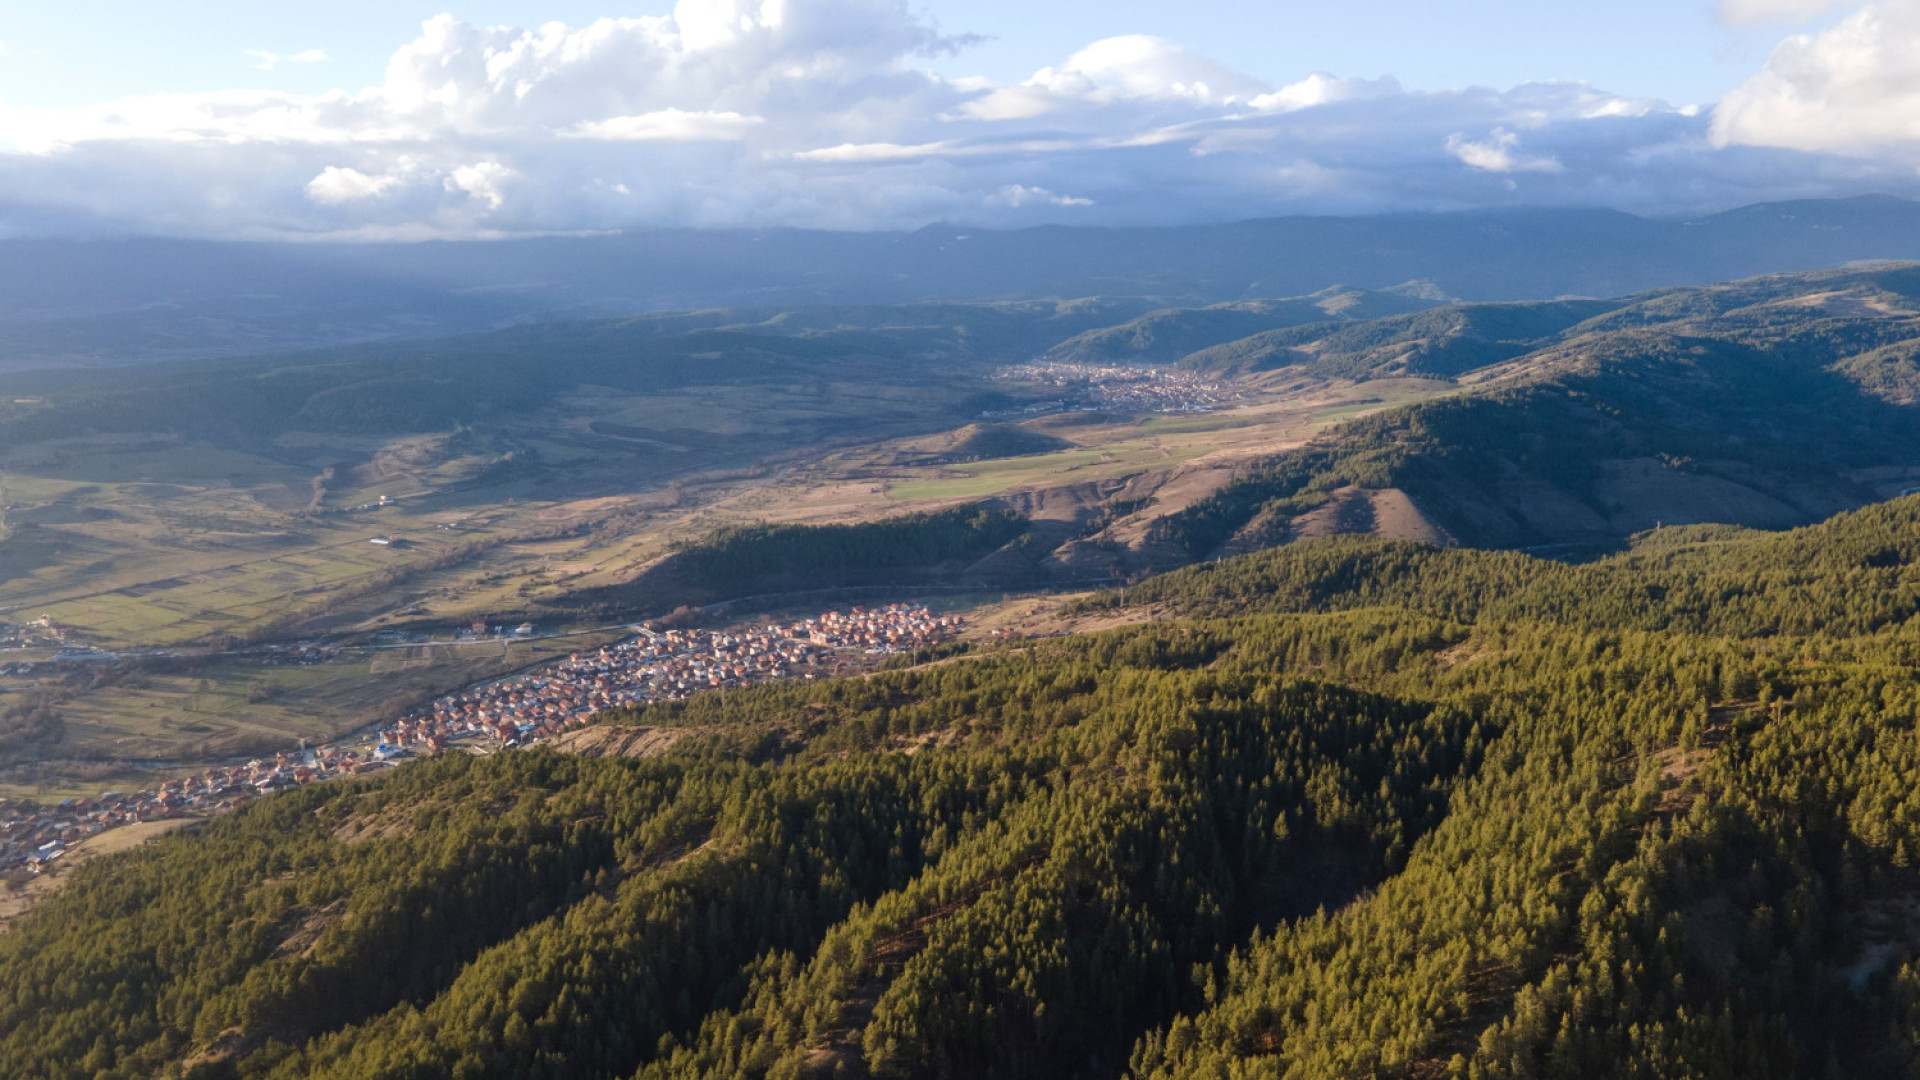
(84, 51)
(396, 120)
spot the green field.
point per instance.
(1154, 442)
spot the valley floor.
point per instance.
(210, 607)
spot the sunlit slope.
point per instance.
(1164, 336)
(1770, 402)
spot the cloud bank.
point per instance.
(1854, 87)
(818, 113)
(1740, 12)
(267, 61)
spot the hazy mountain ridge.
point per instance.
(1443, 342)
(443, 382)
(140, 299)
(1168, 335)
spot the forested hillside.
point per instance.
(1346, 809)
(1167, 335)
(1770, 402)
(1444, 342)
(751, 560)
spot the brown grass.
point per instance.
(617, 740)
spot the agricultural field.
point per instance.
(1131, 445)
(184, 557)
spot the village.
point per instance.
(1119, 388)
(520, 711)
(41, 633)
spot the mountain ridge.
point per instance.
(122, 300)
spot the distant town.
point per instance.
(1119, 388)
(505, 714)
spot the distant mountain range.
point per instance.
(117, 301)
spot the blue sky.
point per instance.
(82, 51)
(385, 120)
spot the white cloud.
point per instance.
(1853, 86)
(1017, 195)
(267, 61)
(819, 113)
(1496, 153)
(482, 181)
(1142, 66)
(336, 186)
(670, 125)
(869, 153)
(713, 25)
(1321, 88)
(1134, 67)
(1740, 12)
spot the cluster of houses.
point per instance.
(541, 704)
(1118, 387)
(894, 628)
(34, 837)
(508, 714)
(40, 633)
(658, 667)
